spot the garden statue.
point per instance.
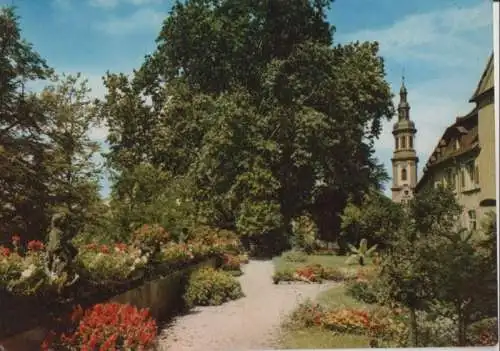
(60, 250)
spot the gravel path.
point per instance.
(251, 322)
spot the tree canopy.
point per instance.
(253, 104)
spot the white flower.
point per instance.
(28, 272)
(137, 261)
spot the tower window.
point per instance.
(410, 142)
(397, 143)
(403, 142)
(404, 174)
(476, 174)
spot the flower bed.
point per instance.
(314, 273)
(103, 271)
(107, 326)
(104, 265)
(22, 270)
(381, 323)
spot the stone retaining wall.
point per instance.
(163, 297)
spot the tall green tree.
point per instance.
(377, 219)
(73, 174)
(22, 146)
(252, 103)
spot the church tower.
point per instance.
(404, 159)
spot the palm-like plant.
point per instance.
(360, 254)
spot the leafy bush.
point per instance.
(294, 256)
(231, 263)
(333, 274)
(361, 290)
(175, 254)
(219, 241)
(286, 275)
(108, 326)
(244, 259)
(436, 331)
(150, 237)
(102, 264)
(304, 233)
(307, 314)
(483, 332)
(208, 287)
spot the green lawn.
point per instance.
(317, 338)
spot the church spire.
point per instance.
(403, 107)
(404, 160)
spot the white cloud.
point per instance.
(144, 19)
(104, 3)
(446, 36)
(113, 3)
(454, 43)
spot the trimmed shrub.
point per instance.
(361, 290)
(287, 275)
(333, 274)
(210, 287)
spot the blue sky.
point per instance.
(442, 46)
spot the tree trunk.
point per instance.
(413, 328)
(361, 261)
(461, 326)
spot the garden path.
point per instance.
(251, 322)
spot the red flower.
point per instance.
(91, 246)
(111, 326)
(104, 249)
(4, 251)
(121, 246)
(35, 245)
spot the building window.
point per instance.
(470, 171)
(457, 144)
(404, 174)
(450, 178)
(403, 142)
(462, 178)
(476, 174)
(397, 143)
(410, 142)
(472, 220)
